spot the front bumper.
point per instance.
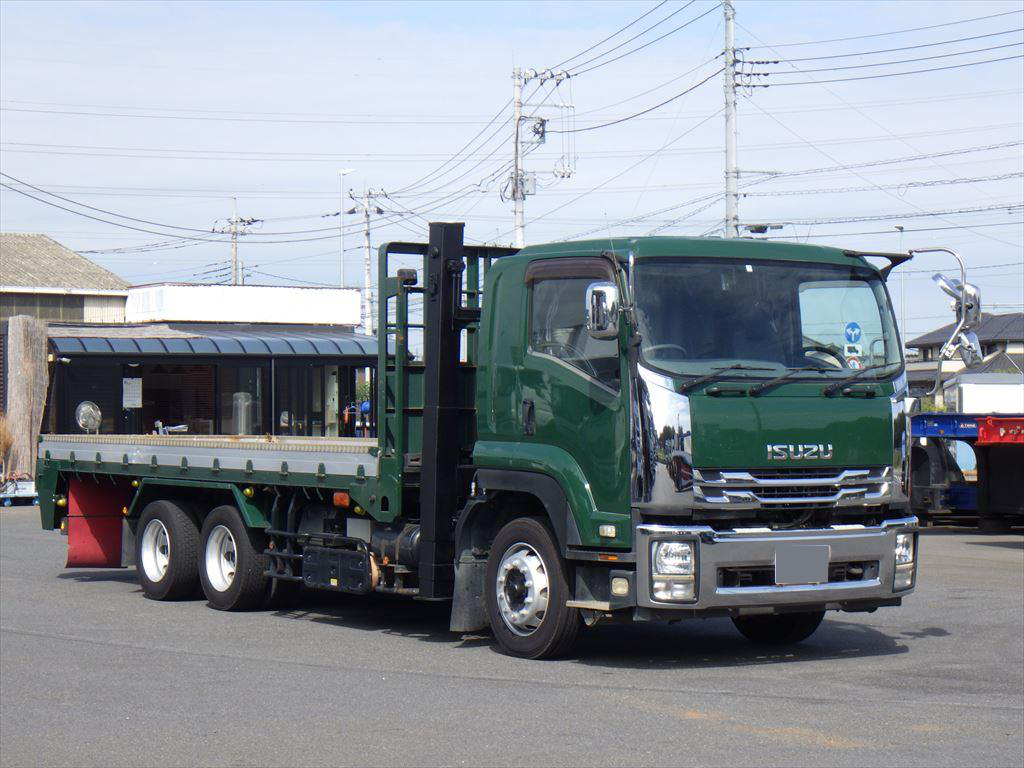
(725, 558)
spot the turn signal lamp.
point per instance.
(342, 499)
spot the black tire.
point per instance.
(181, 578)
(560, 624)
(781, 629)
(248, 586)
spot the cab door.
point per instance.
(571, 387)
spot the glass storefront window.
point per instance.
(240, 396)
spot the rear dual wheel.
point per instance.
(232, 565)
(166, 551)
(175, 557)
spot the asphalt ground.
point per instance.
(91, 673)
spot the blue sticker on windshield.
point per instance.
(853, 333)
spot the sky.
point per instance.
(166, 112)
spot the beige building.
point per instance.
(41, 278)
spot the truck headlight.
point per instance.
(904, 575)
(673, 558)
(673, 571)
(904, 548)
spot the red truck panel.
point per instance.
(94, 523)
(999, 430)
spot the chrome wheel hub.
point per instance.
(522, 589)
(220, 558)
(155, 550)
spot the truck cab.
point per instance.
(714, 412)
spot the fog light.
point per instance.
(620, 586)
(673, 558)
(904, 548)
(904, 578)
(673, 589)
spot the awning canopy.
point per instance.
(185, 339)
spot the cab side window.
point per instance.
(558, 329)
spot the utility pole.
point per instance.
(732, 217)
(341, 222)
(235, 226)
(519, 185)
(234, 241)
(368, 207)
(518, 196)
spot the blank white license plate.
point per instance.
(801, 563)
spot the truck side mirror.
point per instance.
(971, 305)
(967, 306)
(966, 299)
(602, 309)
(969, 348)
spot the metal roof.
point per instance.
(36, 261)
(162, 339)
(1008, 327)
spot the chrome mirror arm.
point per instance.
(946, 351)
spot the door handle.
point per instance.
(528, 417)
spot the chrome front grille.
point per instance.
(790, 489)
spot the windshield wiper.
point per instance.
(831, 389)
(717, 374)
(757, 389)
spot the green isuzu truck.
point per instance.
(624, 429)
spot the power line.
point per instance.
(208, 118)
(892, 74)
(101, 210)
(973, 269)
(649, 43)
(619, 31)
(595, 153)
(892, 32)
(463, 149)
(899, 61)
(906, 185)
(162, 234)
(156, 223)
(892, 50)
(893, 231)
(818, 149)
(868, 117)
(1009, 208)
(896, 160)
(634, 37)
(644, 112)
(649, 90)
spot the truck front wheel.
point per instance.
(232, 566)
(527, 591)
(781, 629)
(166, 551)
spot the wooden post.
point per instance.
(27, 381)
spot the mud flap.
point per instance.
(95, 522)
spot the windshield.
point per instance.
(699, 315)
